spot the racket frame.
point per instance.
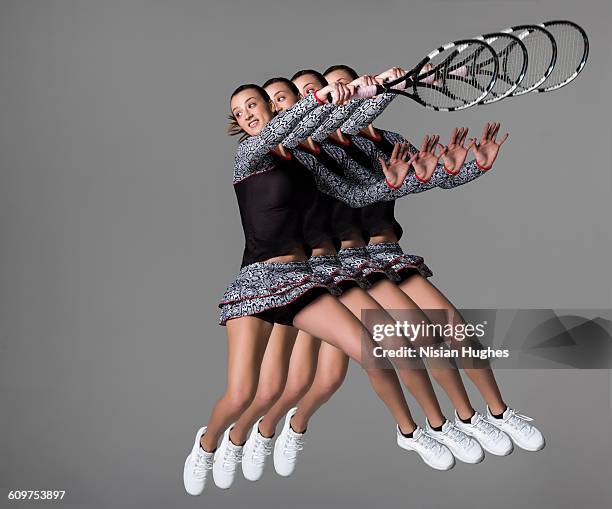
(414, 72)
(585, 55)
(553, 59)
(523, 71)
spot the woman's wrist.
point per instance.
(482, 167)
(449, 171)
(392, 186)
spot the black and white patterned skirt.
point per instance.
(274, 292)
(358, 263)
(329, 269)
(392, 258)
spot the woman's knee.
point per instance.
(239, 398)
(330, 383)
(269, 394)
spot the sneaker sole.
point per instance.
(530, 449)
(441, 469)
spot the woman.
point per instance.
(332, 363)
(322, 231)
(275, 285)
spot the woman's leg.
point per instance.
(272, 379)
(247, 338)
(302, 367)
(428, 297)
(331, 369)
(329, 320)
(391, 297)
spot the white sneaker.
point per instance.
(227, 456)
(517, 426)
(492, 439)
(463, 446)
(286, 447)
(254, 454)
(197, 465)
(432, 452)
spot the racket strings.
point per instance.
(457, 77)
(572, 52)
(512, 57)
(541, 57)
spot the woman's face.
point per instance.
(339, 76)
(251, 111)
(307, 83)
(282, 97)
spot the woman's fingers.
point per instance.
(383, 164)
(504, 138)
(471, 143)
(395, 151)
(464, 136)
(485, 133)
(424, 144)
(454, 135)
(494, 131)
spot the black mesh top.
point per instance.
(379, 217)
(272, 205)
(345, 220)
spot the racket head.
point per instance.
(513, 60)
(572, 53)
(453, 77)
(542, 55)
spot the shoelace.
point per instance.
(428, 442)
(293, 444)
(485, 427)
(203, 462)
(519, 422)
(456, 435)
(261, 449)
(231, 457)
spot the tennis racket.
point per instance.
(572, 53)
(513, 58)
(453, 77)
(542, 50)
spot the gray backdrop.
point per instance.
(119, 231)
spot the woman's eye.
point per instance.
(281, 99)
(252, 105)
(237, 115)
(310, 90)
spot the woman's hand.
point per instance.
(427, 159)
(486, 151)
(397, 167)
(455, 154)
(366, 80)
(390, 75)
(340, 93)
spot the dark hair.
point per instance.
(346, 68)
(285, 81)
(233, 129)
(316, 74)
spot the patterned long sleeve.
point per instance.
(308, 125)
(253, 150)
(352, 193)
(338, 116)
(366, 113)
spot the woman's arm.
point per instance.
(308, 125)
(356, 194)
(337, 118)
